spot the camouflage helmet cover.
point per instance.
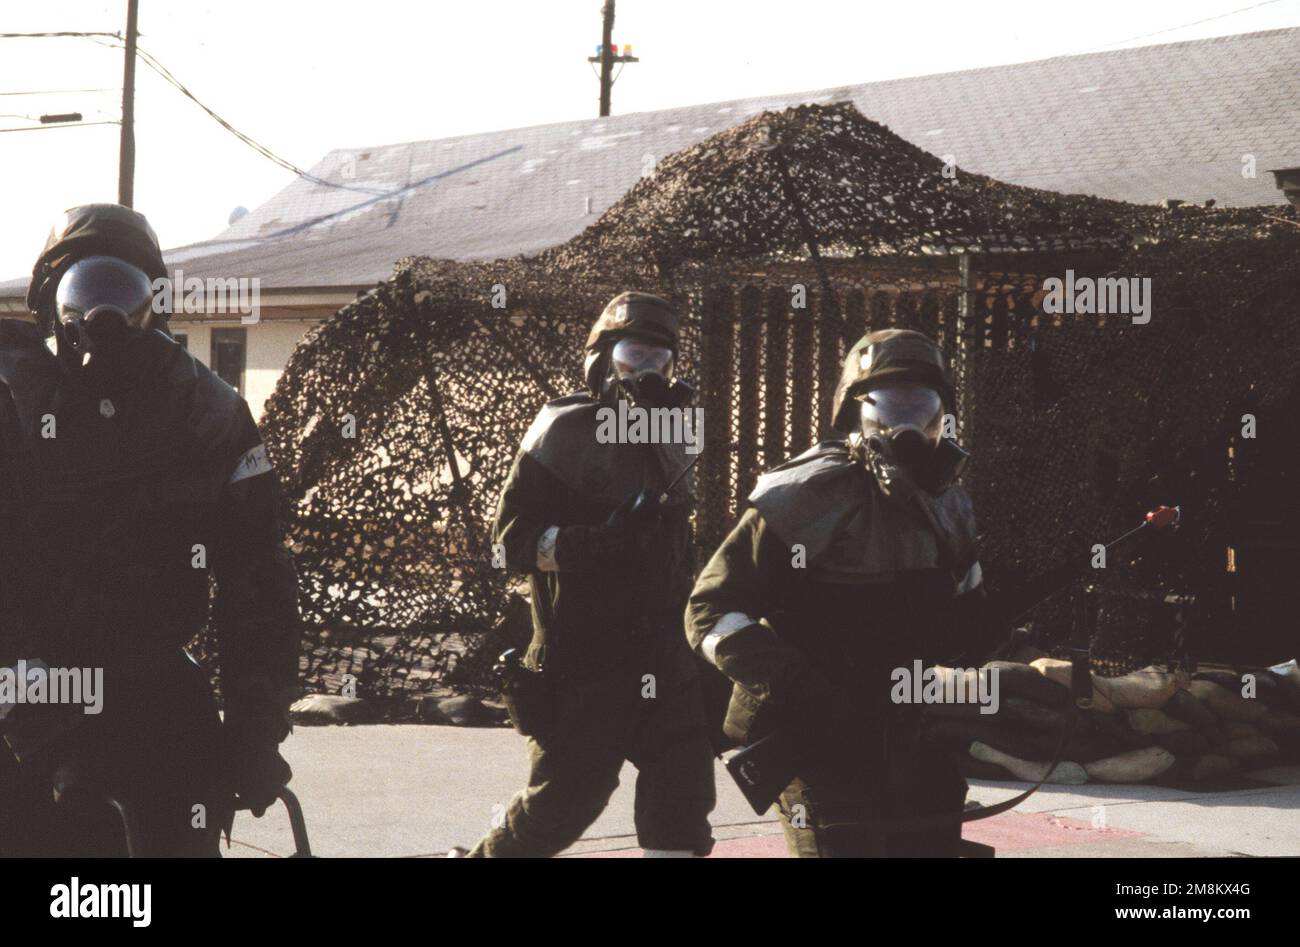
(879, 358)
(628, 314)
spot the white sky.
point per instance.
(305, 78)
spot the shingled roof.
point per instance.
(1139, 125)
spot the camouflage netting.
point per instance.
(781, 240)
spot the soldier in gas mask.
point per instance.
(854, 559)
(135, 474)
(607, 548)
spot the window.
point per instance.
(228, 348)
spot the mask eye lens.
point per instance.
(100, 281)
(634, 356)
(884, 409)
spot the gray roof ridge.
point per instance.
(827, 90)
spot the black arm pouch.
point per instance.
(526, 694)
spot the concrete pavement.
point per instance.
(414, 790)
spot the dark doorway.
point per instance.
(229, 348)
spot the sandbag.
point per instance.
(1225, 704)
(1147, 688)
(1288, 675)
(1186, 707)
(1248, 748)
(1280, 723)
(1135, 766)
(969, 686)
(1239, 730)
(1229, 679)
(958, 734)
(1059, 671)
(1034, 715)
(1269, 689)
(1064, 774)
(1021, 680)
(1152, 722)
(1113, 729)
(1213, 766)
(1026, 654)
(332, 709)
(1185, 744)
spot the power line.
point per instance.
(166, 74)
(1184, 26)
(257, 146)
(49, 128)
(58, 35)
(58, 91)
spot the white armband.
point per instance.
(252, 463)
(727, 626)
(546, 550)
(974, 576)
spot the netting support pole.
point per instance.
(795, 203)
(961, 367)
(524, 362)
(459, 488)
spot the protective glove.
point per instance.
(622, 537)
(781, 675)
(256, 772)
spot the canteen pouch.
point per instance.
(526, 694)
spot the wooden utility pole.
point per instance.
(607, 57)
(126, 150)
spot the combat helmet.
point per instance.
(642, 315)
(111, 230)
(889, 355)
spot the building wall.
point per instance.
(198, 339)
(268, 345)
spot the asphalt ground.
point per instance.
(417, 790)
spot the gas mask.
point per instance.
(102, 307)
(901, 428)
(644, 370)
